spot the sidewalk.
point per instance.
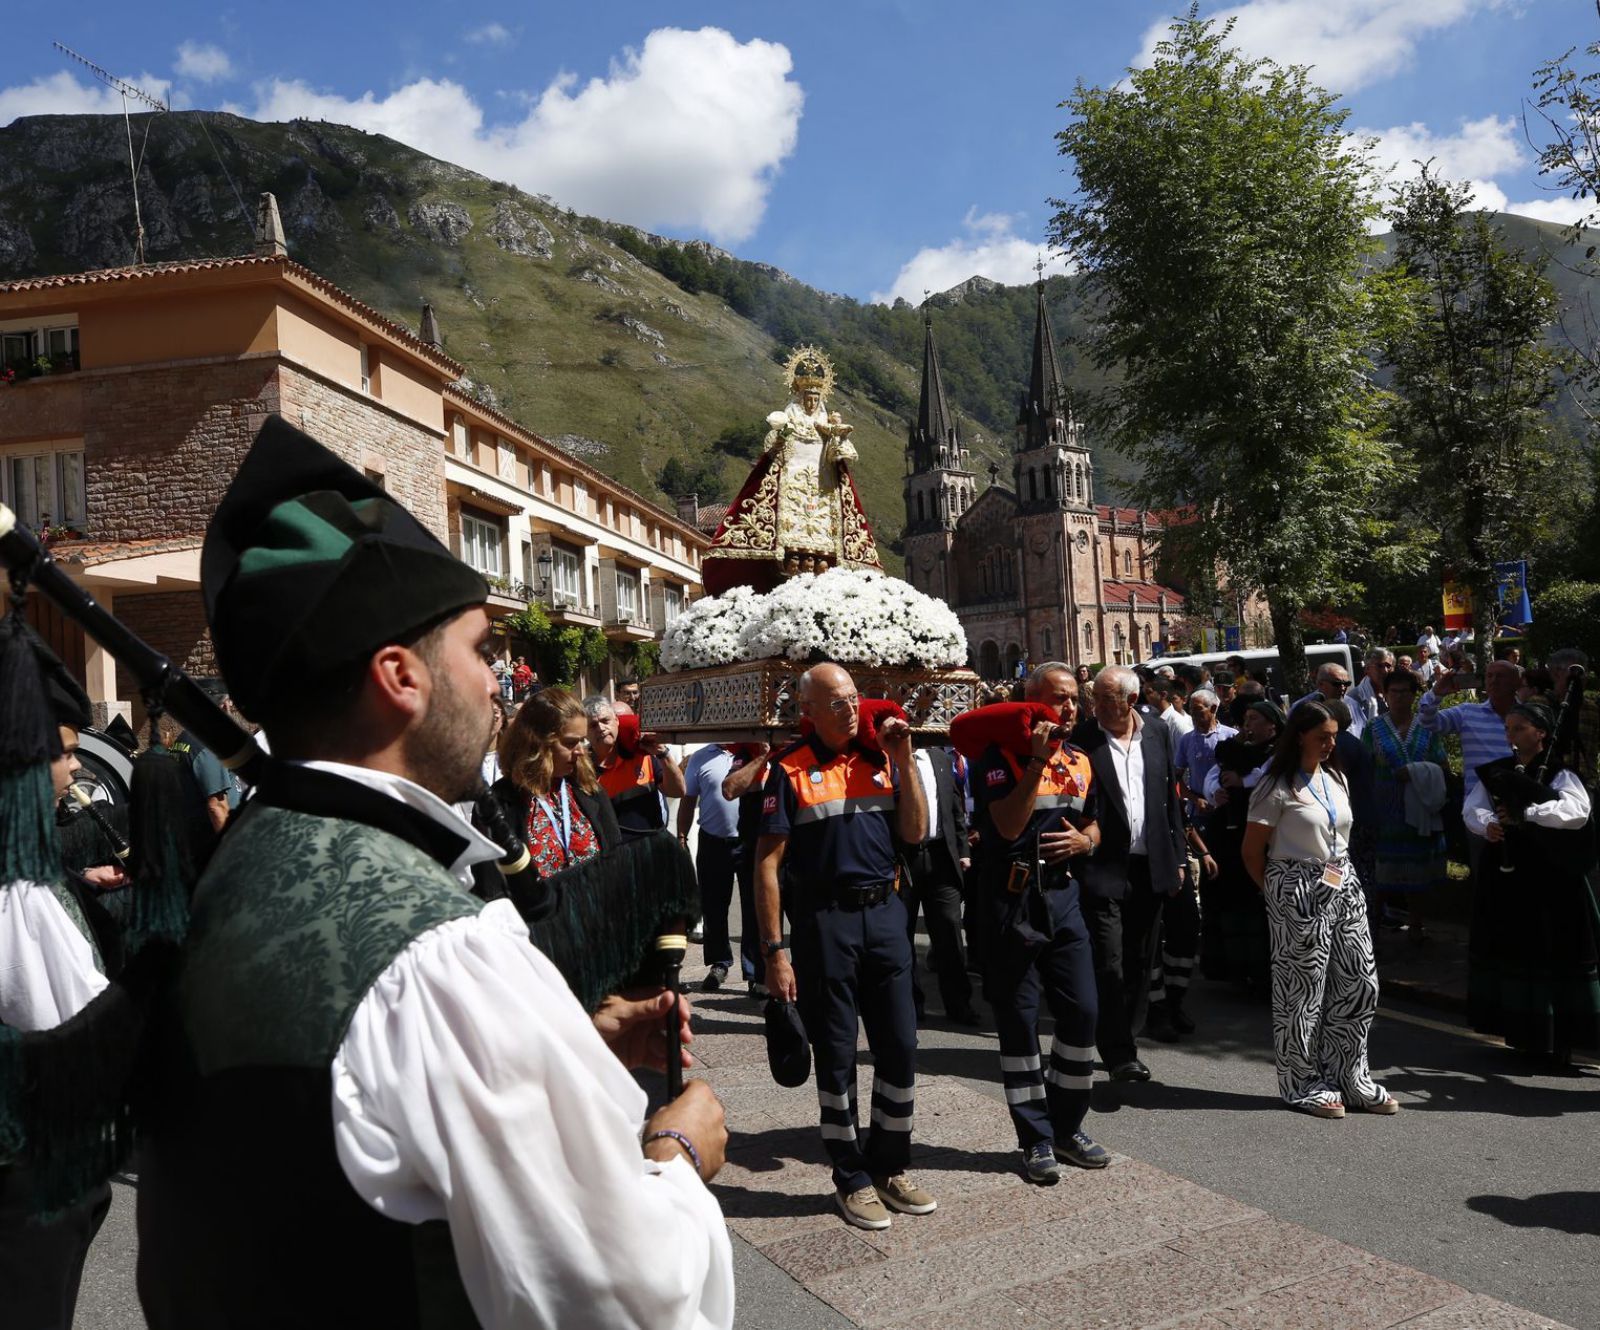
(1132, 1246)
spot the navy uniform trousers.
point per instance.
(1047, 1101)
(853, 963)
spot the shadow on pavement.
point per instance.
(1566, 1211)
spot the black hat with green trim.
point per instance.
(309, 567)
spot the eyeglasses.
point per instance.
(840, 705)
(1340, 684)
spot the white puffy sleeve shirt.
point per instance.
(1568, 811)
(47, 969)
(472, 1087)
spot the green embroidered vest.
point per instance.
(246, 1218)
(295, 918)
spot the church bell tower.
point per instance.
(939, 484)
(1051, 466)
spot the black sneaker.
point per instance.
(715, 977)
(1039, 1164)
(1083, 1152)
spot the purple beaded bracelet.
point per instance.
(666, 1133)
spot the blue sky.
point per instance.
(872, 147)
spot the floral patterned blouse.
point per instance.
(544, 833)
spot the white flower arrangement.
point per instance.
(847, 615)
(707, 632)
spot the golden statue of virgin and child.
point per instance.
(799, 512)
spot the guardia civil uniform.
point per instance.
(851, 954)
(1036, 945)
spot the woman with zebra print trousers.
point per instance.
(1324, 981)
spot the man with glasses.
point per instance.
(1333, 682)
(1366, 698)
(834, 806)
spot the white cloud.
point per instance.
(490, 34)
(685, 132)
(61, 94)
(1349, 43)
(203, 63)
(1557, 208)
(991, 248)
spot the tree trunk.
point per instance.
(1291, 644)
(1485, 620)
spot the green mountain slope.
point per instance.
(570, 324)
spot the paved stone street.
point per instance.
(1221, 1210)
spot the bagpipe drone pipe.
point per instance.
(1515, 788)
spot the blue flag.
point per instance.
(1512, 578)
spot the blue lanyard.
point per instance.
(562, 828)
(1326, 800)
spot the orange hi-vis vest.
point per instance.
(1064, 783)
(847, 784)
(838, 811)
(627, 779)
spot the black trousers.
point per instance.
(1124, 934)
(41, 1264)
(715, 869)
(853, 970)
(1047, 1101)
(934, 886)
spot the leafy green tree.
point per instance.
(702, 477)
(1221, 222)
(1474, 378)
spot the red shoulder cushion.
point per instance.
(874, 711)
(627, 734)
(1008, 724)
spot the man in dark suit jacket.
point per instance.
(1137, 865)
(933, 882)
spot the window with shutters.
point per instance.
(44, 487)
(481, 541)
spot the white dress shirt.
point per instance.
(47, 969)
(1127, 760)
(472, 1087)
(930, 790)
(1568, 811)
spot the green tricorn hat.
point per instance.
(309, 567)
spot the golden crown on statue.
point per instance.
(806, 368)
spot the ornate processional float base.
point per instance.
(755, 701)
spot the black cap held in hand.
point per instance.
(788, 1050)
(308, 567)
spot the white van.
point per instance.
(1321, 654)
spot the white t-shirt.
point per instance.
(1308, 821)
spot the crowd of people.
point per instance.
(361, 1018)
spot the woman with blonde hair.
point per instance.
(549, 788)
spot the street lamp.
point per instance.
(545, 562)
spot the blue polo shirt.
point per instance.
(837, 811)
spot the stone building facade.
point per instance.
(1035, 569)
(159, 377)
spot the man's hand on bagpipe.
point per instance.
(632, 1025)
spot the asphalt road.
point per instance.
(1486, 1178)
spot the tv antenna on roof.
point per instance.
(126, 90)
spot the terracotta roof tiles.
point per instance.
(286, 266)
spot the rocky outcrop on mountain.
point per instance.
(442, 223)
(579, 446)
(309, 212)
(379, 215)
(518, 231)
(17, 253)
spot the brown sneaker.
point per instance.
(862, 1208)
(902, 1194)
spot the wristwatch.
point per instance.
(772, 948)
